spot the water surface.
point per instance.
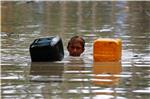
(75, 78)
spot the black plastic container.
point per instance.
(47, 49)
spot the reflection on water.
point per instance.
(106, 73)
(77, 78)
(44, 71)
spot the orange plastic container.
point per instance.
(106, 49)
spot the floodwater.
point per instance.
(75, 78)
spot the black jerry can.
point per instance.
(47, 49)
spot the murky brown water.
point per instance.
(75, 78)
